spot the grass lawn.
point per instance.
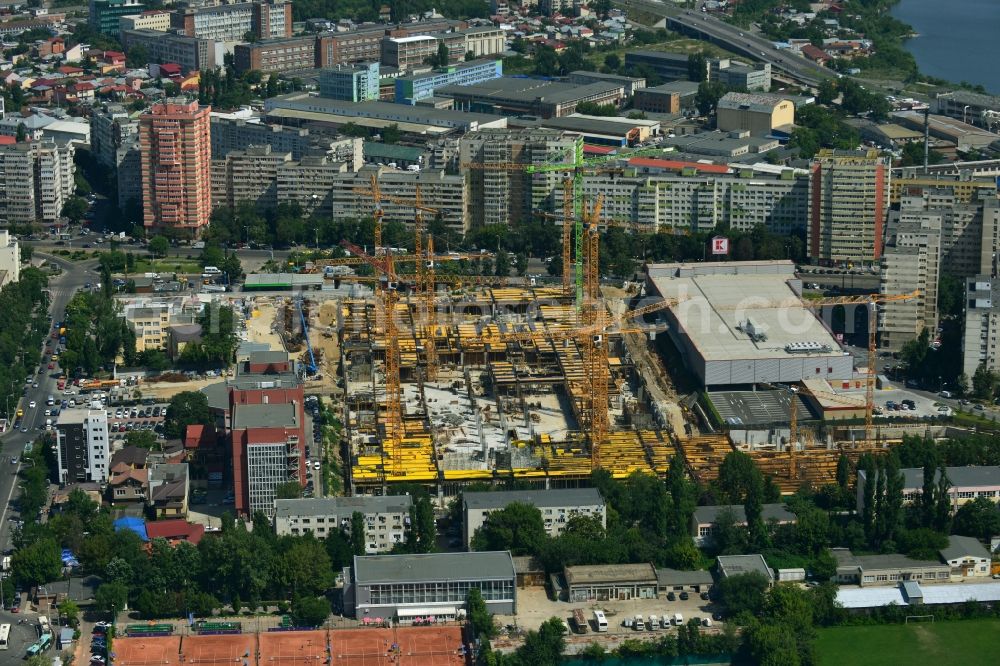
(168, 265)
(965, 642)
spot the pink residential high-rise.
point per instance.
(176, 150)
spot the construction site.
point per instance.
(451, 380)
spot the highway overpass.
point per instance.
(733, 38)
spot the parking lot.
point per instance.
(534, 607)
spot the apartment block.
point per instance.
(967, 483)
(232, 22)
(82, 446)
(311, 182)
(10, 259)
(155, 19)
(982, 324)
(231, 133)
(740, 76)
(104, 14)
(506, 196)
(447, 193)
(386, 518)
(405, 53)
(557, 507)
(128, 163)
(912, 260)
(248, 176)
(38, 179)
(689, 201)
(193, 54)
(352, 83)
(111, 126)
(276, 55)
(149, 324)
(668, 66)
(413, 88)
(849, 196)
(965, 186)
(484, 41)
(175, 143)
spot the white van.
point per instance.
(211, 270)
(48, 424)
(678, 619)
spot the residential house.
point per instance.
(168, 490)
(967, 557)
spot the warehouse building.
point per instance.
(512, 96)
(417, 87)
(435, 585)
(757, 112)
(672, 97)
(611, 582)
(557, 506)
(731, 332)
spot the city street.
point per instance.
(74, 276)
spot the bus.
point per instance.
(600, 621)
(4, 636)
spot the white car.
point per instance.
(32, 405)
(317, 465)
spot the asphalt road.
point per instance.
(736, 39)
(62, 287)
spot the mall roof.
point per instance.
(716, 308)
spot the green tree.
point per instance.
(479, 616)
(744, 593)
(984, 383)
(545, 646)
(979, 518)
(158, 246)
(310, 611)
(518, 527)
(772, 645)
(186, 408)
(422, 537)
(305, 567)
(708, 96)
(75, 208)
(232, 267)
(37, 563)
(827, 92)
(70, 612)
(697, 67)
(211, 255)
(358, 539)
(111, 597)
(288, 490)
(144, 439)
(612, 61)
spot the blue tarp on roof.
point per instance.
(137, 525)
(69, 559)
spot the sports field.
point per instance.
(959, 643)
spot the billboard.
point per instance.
(720, 245)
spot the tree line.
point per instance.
(237, 568)
(25, 325)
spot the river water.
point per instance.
(957, 38)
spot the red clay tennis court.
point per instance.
(404, 646)
(231, 649)
(146, 651)
(292, 648)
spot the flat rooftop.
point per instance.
(265, 416)
(610, 573)
(323, 506)
(716, 307)
(571, 497)
(487, 565)
(379, 110)
(526, 90)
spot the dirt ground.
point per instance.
(166, 390)
(262, 327)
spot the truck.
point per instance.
(580, 621)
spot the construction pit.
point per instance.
(504, 394)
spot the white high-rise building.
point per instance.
(82, 446)
(10, 258)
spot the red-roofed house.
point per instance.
(198, 436)
(168, 70)
(815, 54)
(175, 531)
(83, 91)
(652, 164)
(70, 70)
